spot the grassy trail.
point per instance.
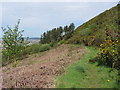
(83, 74)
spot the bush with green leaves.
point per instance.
(62, 42)
(13, 44)
(52, 43)
(36, 48)
(44, 47)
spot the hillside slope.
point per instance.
(39, 70)
(97, 29)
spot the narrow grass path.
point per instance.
(83, 74)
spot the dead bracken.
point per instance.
(40, 75)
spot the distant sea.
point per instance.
(32, 38)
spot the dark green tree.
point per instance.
(56, 34)
(66, 29)
(69, 31)
(71, 27)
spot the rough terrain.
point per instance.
(39, 70)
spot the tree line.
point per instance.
(57, 34)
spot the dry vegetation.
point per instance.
(42, 72)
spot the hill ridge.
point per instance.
(94, 31)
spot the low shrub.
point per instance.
(109, 53)
(52, 44)
(35, 48)
(44, 47)
(62, 42)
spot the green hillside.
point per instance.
(91, 60)
(97, 29)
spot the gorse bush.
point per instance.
(109, 53)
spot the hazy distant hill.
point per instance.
(97, 29)
(32, 38)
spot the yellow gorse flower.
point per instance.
(101, 44)
(113, 50)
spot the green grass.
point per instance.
(83, 74)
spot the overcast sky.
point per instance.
(38, 17)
